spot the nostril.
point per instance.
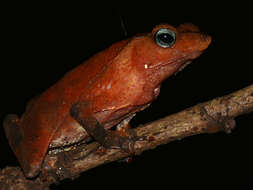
(204, 41)
(205, 38)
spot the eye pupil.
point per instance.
(165, 37)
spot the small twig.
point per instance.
(209, 117)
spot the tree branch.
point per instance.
(209, 117)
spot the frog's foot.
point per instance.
(124, 129)
(12, 131)
(130, 134)
(125, 143)
(108, 139)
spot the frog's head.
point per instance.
(167, 49)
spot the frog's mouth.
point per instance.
(178, 63)
(184, 65)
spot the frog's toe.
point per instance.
(128, 146)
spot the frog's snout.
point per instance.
(205, 41)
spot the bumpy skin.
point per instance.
(105, 90)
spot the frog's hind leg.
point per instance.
(13, 131)
(109, 139)
(24, 149)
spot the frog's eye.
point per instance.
(165, 37)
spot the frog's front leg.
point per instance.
(124, 128)
(109, 139)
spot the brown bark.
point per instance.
(209, 117)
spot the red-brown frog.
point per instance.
(104, 91)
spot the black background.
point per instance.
(40, 42)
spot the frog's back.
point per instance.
(45, 114)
